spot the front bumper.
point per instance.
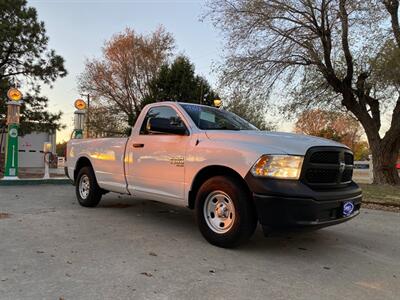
(285, 203)
(302, 212)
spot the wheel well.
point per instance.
(207, 173)
(82, 162)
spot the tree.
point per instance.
(361, 151)
(178, 82)
(249, 108)
(331, 125)
(60, 149)
(25, 61)
(121, 77)
(107, 122)
(327, 53)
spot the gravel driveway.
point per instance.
(51, 248)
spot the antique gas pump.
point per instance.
(13, 114)
(79, 118)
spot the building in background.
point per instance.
(31, 153)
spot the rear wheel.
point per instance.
(225, 213)
(87, 190)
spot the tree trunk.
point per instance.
(385, 151)
(384, 164)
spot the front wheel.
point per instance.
(224, 211)
(87, 190)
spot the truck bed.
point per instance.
(107, 156)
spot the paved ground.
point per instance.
(51, 248)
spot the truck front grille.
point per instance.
(327, 167)
(315, 175)
(325, 157)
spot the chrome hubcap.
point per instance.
(219, 212)
(84, 186)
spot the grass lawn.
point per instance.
(385, 194)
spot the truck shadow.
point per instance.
(179, 223)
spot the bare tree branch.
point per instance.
(280, 43)
(121, 77)
(392, 7)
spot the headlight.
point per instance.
(278, 166)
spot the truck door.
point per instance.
(155, 160)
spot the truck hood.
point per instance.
(273, 142)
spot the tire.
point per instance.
(225, 213)
(87, 190)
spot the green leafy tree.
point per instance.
(60, 149)
(26, 61)
(107, 121)
(337, 54)
(178, 82)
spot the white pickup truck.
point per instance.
(232, 174)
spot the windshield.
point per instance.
(209, 118)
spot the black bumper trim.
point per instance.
(328, 223)
(297, 189)
(276, 211)
(291, 203)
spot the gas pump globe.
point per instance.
(13, 115)
(217, 103)
(79, 118)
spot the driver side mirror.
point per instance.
(174, 125)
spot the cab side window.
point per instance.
(161, 112)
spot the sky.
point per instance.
(78, 30)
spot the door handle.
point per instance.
(137, 145)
